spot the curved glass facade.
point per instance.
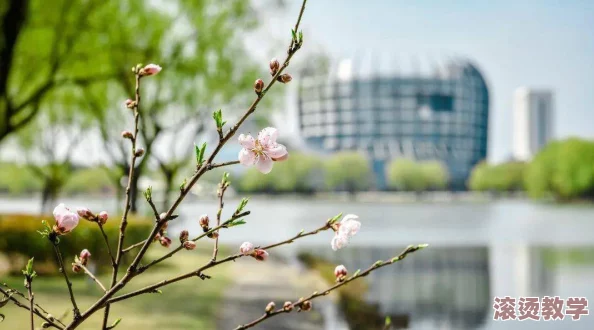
(441, 117)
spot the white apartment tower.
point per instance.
(533, 121)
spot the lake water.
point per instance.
(478, 251)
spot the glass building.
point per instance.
(442, 115)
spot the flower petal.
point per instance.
(246, 157)
(247, 141)
(349, 225)
(60, 209)
(264, 164)
(339, 241)
(276, 151)
(268, 136)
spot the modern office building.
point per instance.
(533, 121)
(441, 114)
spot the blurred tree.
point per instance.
(564, 169)
(45, 44)
(406, 174)
(504, 177)
(349, 171)
(17, 179)
(436, 174)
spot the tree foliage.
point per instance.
(409, 175)
(348, 171)
(504, 177)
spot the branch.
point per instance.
(198, 272)
(215, 165)
(68, 283)
(127, 205)
(133, 246)
(286, 309)
(220, 193)
(11, 290)
(181, 246)
(88, 272)
(113, 263)
(8, 294)
(29, 286)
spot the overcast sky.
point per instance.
(536, 43)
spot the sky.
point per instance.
(534, 43)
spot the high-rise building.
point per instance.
(533, 121)
(441, 114)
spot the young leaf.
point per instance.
(115, 323)
(357, 272)
(242, 205)
(335, 218)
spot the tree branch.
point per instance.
(298, 304)
(68, 283)
(113, 263)
(8, 294)
(93, 277)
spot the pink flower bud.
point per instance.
(76, 268)
(260, 255)
(246, 248)
(127, 135)
(84, 256)
(102, 217)
(213, 235)
(183, 236)
(85, 213)
(270, 307)
(274, 66)
(306, 306)
(204, 221)
(285, 78)
(340, 272)
(150, 70)
(258, 86)
(66, 220)
(288, 306)
(165, 241)
(130, 104)
(165, 225)
(157, 237)
(139, 152)
(189, 245)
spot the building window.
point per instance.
(437, 102)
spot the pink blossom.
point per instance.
(340, 271)
(262, 151)
(151, 69)
(85, 213)
(345, 229)
(66, 220)
(102, 217)
(130, 103)
(204, 221)
(165, 241)
(246, 248)
(260, 255)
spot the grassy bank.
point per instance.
(190, 304)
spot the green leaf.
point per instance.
(242, 205)
(293, 35)
(115, 323)
(200, 153)
(218, 117)
(335, 218)
(357, 272)
(388, 321)
(237, 223)
(148, 193)
(301, 36)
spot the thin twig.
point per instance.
(198, 272)
(68, 283)
(17, 292)
(181, 246)
(31, 298)
(215, 165)
(379, 264)
(127, 205)
(133, 246)
(113, 263)
(8, 294)
(223, 185)
(92, 276)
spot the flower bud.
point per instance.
(246, 248)
(85, 213)
(258, 86)
(213, 235)
(285, 78)
(340, 272)
(189, 245)
(127, 135)
(165, 241)
(84, 256)
(165, 225)
(274, 66)
(130, 104)
(102, 217)
(288, 306)
(66, 220)
(270, 307)
(306, 306)
(183, 236)
(204, 221)
(150, 70)
(76, 268)
(139, 152)
(260, 255)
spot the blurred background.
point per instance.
(466, 125)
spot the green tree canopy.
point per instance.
(349, 171)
